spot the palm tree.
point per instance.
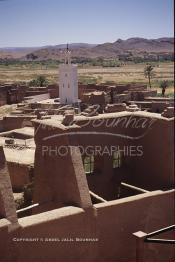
(163, 85)
(148, 72)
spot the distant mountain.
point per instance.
(16, 52)
(136, 46)
(132, 47)
(76, 45)
(61, 46)
(21, 52)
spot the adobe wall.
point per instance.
(66, 185)
(65, 223)
(19, 175)
(83, 89)
(5, 242)
(102, 184)
(7, 205)
(96, 99)
(152, 170)
(117, 220)
(159, 106)
(16, 95)
(37, 98)
(119, 92)
(10, 94)
(35, 92)
(155, 168)
(54, 93)
(8, 216)
(112, 224)
(1, 125)
(3, 98)
(14, 122)
(120, 88)
(121, 98)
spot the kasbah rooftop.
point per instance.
(86, 173)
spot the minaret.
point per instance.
(68, 80)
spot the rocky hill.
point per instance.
(132, 47)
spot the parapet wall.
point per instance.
(13, 122)
(108, 225)
(117, 220)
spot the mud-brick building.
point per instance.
(97, 180)
(19, 152)
(3, 95)
(11, 94)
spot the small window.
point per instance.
(117, 159)
(63, 85)
(68, 85)
(65, 75)
(89, 164)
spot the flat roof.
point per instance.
(29, 131)
(23, 156)
(159, 98)
(49, 101)
(55, 120)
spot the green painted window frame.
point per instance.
(88, 163)
(117, 159)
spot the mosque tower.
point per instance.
(68, 81)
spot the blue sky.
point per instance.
(49, 22)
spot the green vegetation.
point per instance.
(39, 81)
(100, 61)
(22, 72)
(14, 64)
(148, 72)
(88, 80)
(163, 85)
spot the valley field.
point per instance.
(126, 73)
